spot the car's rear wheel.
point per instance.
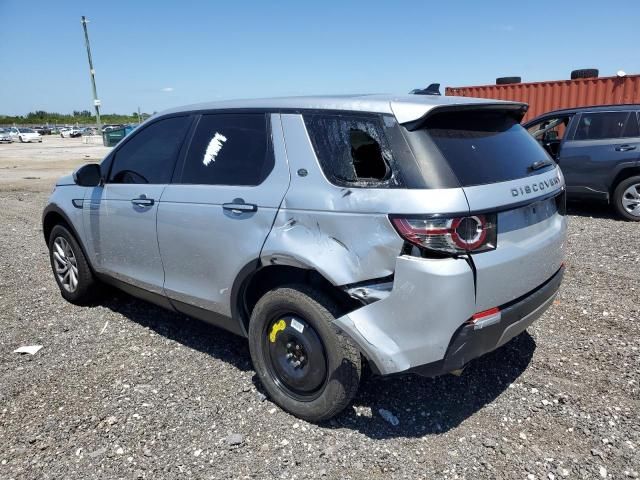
(70, 267)
(626, 198)
(306, 365)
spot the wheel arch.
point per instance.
(623, 174)
(53, 215)
(255, 280)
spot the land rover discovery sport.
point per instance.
(414, 233)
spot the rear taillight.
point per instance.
(449, 235)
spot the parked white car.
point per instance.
(5, 135)
(25, 134)
(71, 132)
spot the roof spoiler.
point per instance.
(516, 110)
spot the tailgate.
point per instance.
(530, 247)
(503, 171)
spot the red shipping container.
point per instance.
(544, 97)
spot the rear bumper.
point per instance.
(469, 342)
(420, 325)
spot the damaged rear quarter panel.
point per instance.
(344, 247)
(430, 299)
(343, 233)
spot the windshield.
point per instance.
(26, 130)
(481, 146)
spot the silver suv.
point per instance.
(411, 233)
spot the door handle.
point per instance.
(625, 148)
(142, 201)
(240, 207)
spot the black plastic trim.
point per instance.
(208, 316)
(467, 343)
(238, 312)
(151, 297)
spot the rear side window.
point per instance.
(150, 155)
(480, 147)
(353, 150)
(229, 149)
(606, 125)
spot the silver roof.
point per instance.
(406, 108)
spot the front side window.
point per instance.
(229, 149)
(551, 129)
(606, 125)
(353, 150)
(150, 155)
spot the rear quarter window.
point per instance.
(353, 150)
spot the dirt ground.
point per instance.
(35, 166)
(123, 389)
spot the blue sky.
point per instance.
(156, 54)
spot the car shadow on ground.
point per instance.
(429, 406)
(592, 208)
(423, 406)
(187, 331)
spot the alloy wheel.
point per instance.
(65, 264)
(631, 200)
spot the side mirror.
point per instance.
(88, 175)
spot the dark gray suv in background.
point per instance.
(598, 150)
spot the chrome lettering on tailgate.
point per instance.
(536, 187)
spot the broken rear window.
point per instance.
(353, 150)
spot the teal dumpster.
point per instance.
(112, 137)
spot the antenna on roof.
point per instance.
(432, 89)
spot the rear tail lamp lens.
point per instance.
(452, 235)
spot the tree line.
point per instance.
(42, 117)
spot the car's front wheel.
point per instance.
(70, 267)
(626, 198)
(21, 139)
(305, 363)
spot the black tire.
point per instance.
(507, 80)
(85, 289)
(21, 139)
(619, 197)
(342, 367)
(584, 73)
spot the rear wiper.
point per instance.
(540, 164)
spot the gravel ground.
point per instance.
(123, 389)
